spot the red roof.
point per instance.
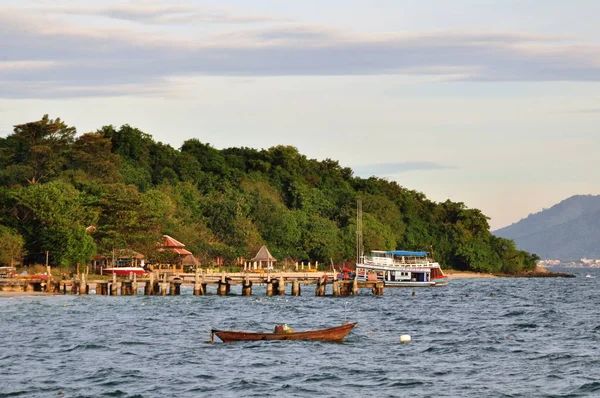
(173, 245)
(180, 251)
(171, 242)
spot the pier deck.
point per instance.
(163, 284)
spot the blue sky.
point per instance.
(490, 103)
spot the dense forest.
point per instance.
(55, 184)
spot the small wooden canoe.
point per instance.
(332, 334)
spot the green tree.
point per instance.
(129, 219)
(321, 239)
(11, 246)
(53, 217)
(92, 153)
(41, 148)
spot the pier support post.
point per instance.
(199, 287)
(295, 288)
(247, 287)
(222, 288)
(355, 287)
(320, 289)
(83, 287)
(269, 288)
(162, 289)
(125, 288)
(335, 286)
(164, 285)
(149, 288)
(75, 287)
(101, 288)
(281, 286)
(175, 287)
(53, 287)
(114, 286)
(134, 286)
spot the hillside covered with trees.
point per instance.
(55, 184)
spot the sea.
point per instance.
(481, 337)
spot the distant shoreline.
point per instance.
(539, 272)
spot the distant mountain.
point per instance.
(569, 230)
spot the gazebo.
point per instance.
(263, 256)
(172, 245)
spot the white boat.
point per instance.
(401, 268)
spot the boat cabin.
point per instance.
(398, 258)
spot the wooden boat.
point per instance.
(332, 334)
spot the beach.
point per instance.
(454, 274)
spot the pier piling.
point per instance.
(295, 288)
(281, 286)
(247, 286)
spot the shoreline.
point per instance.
(455, 274)
(539, 272)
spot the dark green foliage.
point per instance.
(130, 190)
(11, 246)
(36, 151)
(53, 217)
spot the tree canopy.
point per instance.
(75, 196)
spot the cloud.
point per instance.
(70, 52)
(590, 110)
(390, 169)
(578, 111)
(165, 14)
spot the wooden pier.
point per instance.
(163, 284)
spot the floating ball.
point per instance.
(405, 338)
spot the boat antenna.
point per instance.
(359, 232)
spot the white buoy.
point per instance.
(405, 338)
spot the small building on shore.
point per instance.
(179, 256)
(263, 259)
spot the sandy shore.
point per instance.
(453, 274)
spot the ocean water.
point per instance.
(502, 337)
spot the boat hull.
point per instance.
(334, 334)
(124, 271)
(433, 283)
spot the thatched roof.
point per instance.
(189, 260)
(263, 255)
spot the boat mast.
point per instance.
(359, 232)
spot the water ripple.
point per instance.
(531, 338)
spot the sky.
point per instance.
(495, 104)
